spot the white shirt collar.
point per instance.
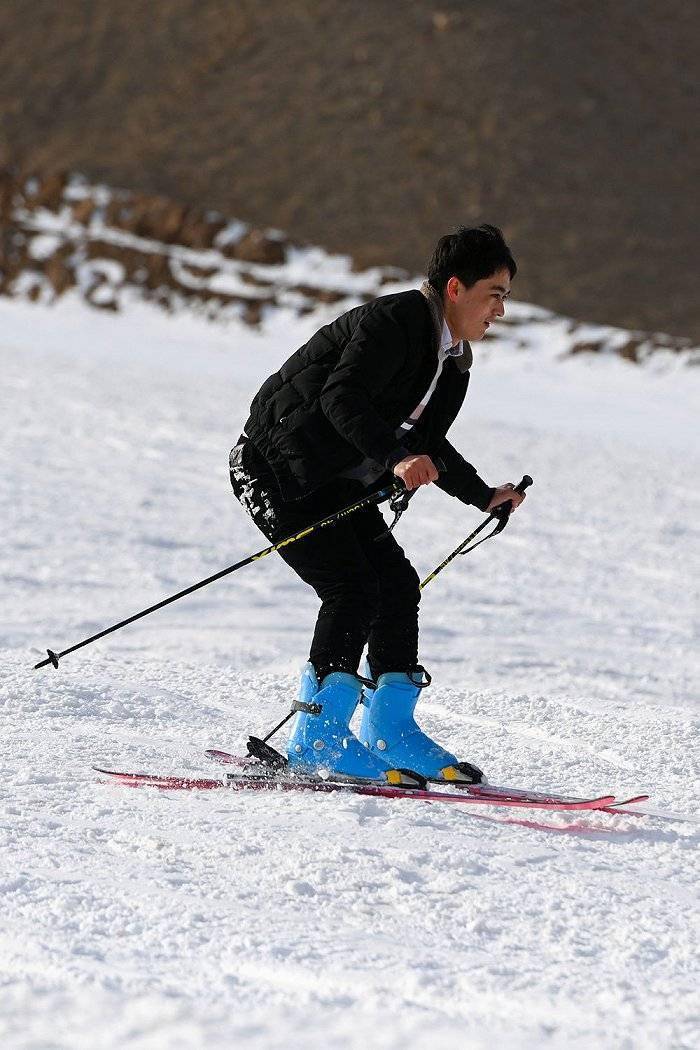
(447, 343)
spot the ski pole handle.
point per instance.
(520, 487)
(504, 510)
(439, 465)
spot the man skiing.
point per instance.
(370, 395)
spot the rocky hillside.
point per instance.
(62, 235)
(372, 128)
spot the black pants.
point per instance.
(369, 590)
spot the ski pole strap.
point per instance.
(501, 517)
(398, 503)
(502, 513)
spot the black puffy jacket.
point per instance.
(341, 397)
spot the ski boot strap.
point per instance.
(419, 677)
(307, 708)
(310, 708)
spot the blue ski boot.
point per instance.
(390, 731)
(321, 740)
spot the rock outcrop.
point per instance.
(61, 235)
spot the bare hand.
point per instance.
(415, 471)
(503, 494)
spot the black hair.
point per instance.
(470, 254)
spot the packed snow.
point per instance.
(562, 654)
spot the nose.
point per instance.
(501, 308)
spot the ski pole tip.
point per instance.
(52, 659)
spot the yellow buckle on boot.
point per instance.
(452, 773)
(405, 778)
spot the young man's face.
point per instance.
(470, 311)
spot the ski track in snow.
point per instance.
(563, 657)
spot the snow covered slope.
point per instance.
(562, 655)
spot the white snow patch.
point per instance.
(44, 245)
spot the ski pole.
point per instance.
(395, 493)
(500, 514)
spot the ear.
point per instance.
(452, 288)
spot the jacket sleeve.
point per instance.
(460, 478)
(371, 360)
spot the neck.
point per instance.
(449, 321)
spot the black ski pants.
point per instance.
(369, 590)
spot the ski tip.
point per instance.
(115, 774)
(629, 801)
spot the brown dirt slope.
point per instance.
(372, 127)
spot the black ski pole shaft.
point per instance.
(376, 497)
(500, 514)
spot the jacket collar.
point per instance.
(465, 360)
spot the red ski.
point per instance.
(483, 791)
(284, 782)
